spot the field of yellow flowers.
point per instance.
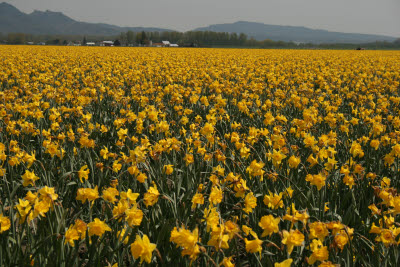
(202, 157)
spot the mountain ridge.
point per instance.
(261, 31)
(38, 22)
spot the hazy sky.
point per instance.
(361, 16)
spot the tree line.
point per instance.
(190, 38)
(201, 38)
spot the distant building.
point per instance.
(90, 43)
(165, 43)
(106, 43)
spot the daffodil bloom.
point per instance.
(211, 216)
(218, 238)
(104, 153)
(4, 223)
(198, 199)
(250, 202)
(122, 134)
(31, 197)
(168, 169)
(216, 195)
(30, 159)
(80, 226)
(356, 150)
(268, 119)
(110, 194)
(341, 239)
(294, 215)
(98, 227)
(29, 178)
(320, 252)
(277, 157)
(273, 200)
(70, 236)
(231, 228)
(240, 188)
(269, 224)
(88, 194)
(292, 239)
(189, 159)
(48, 194)
(310, 141)
(24, 208)
(285, 263)
(327, 264)
(122, 236)
(116, 166)
(129, 195)
(349, 181)
(374, 209)
(255, 168)
(318, 180)
(387, 237)
(395, 204)
(39, 208)
(83, 173)
(187, 240)
(151, 196)
(375, 144)
(294, 162)
(227, 262)
(141, 177)
(330, 164)
(318, 230)
(253, 246)
(134, 216)
(207, 129)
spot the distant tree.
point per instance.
(65, 42)
(155, 37)
(143, 39)
(165, 36)
(130, 37)
(117, 43)
(174, 37)
(233, 38)
(54, 42)
(16, 38)
(84, 40)
(242, 39)
(267, 43)
(252, 42)
(281, 44)
(139, 38)
(397, 41)
(122, 38)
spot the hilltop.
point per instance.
(13, 20)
